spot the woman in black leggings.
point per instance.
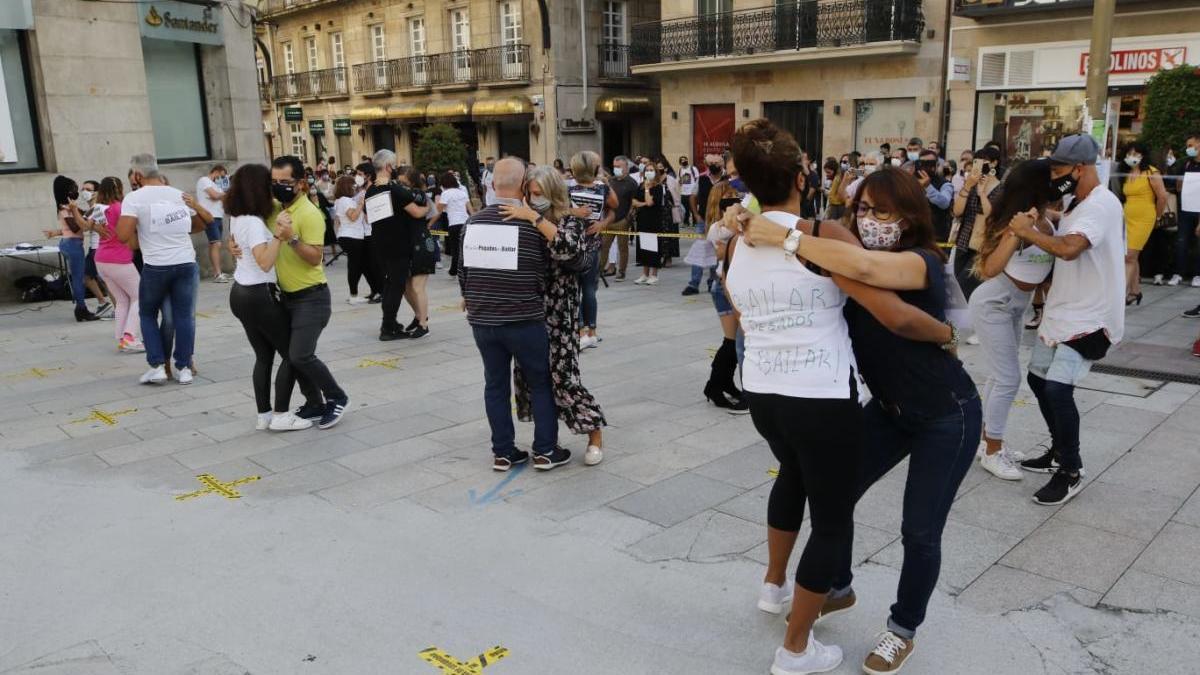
(254, 298)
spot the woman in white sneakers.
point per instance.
(350, 225)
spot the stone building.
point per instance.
(344, 78)
(839, 74)
(86, 85)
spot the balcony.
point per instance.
(328, 83)
(805, 30)
(614, 61)
(493, 66)
(264, 94)
(275, 8)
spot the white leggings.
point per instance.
(123, 280)
(998, 316)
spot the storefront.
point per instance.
(316, 128)
(341, 132)
(1029, 96)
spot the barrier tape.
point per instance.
(625, 233)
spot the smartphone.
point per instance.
(981, 167)
(728, 202)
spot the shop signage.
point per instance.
(712, 128)
(1128, 61)
(181, 22)
(316, 127)
(293, 114)
(960, 70)
(994, 7)
(883, 120)
(341, 127)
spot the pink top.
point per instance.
(67, 233)
(111, 249)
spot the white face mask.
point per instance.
(650, 175)
(896, 161)
(1170, 160)
(1133, 160)
(869, 169)
(359, 181)
(878, 236)
(618, 171)
(539, 204)
(85, 196)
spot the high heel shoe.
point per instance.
(1135, 299)
(712, 392)
(82, 314)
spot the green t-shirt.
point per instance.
(294, 272)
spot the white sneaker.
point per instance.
(816, 658)
(974, 339)
(652, 281)
(184, 376)
(1158, 280)
(1174, 280)
(1000, 465)
(288, 422)
(1196, 281)
(156, 375)
(264, 421)
(772, 598)
(222, 278)
(356, 300)
(641, 281)
(593, 456)
(588, 342)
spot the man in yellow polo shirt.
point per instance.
(301, 273)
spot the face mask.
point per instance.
(878, 236)
(845, 166)
(714, 169)
(683, 162)
(1170, 160)
(284, 194)
(1193, 151)
(869, 169)
(86, 195)
(1132, 160)
(739, 184)
(540, 204)
(618, 171)
(896, 161)
(650, 175)
(489, 166)
(914, 156)
(359, 181)
(1063, 185)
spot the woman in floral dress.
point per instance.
(547, 197)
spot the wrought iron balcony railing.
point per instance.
(313, 84)
(264, 91)
(614, 61)
(793, 25)
(508, 63)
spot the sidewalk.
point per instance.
(361, 546)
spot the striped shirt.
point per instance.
(498, 297)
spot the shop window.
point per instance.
(175, 90)
(19, 146)
(1028, 124)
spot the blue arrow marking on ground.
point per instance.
(494, 494)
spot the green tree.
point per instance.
(440, 148)
(1172, 108)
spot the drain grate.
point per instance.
(1120, 371)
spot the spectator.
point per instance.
(938, 190)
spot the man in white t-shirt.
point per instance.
(1085, 309)
(485, 180)
(160, 220)
(689, 178)
(210, 190)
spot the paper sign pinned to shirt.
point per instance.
(1189, 196)
(379, 207)
(648, 242)
(168, 218)
(492, 247)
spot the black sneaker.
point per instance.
(506, 463)
(375, 299)
(1061, 488)
(411, 326)
(311, 411)
(1046, 463)
(690, 290)
(418, 332)
(554, 459)
(389, 334)
(335, 410)
(1193, 313)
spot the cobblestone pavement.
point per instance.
(360, 546)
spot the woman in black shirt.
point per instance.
(652, 214)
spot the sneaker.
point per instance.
(184, 376)
(1174, 280)
(310, 412)
(593, 456)
(1193, 313)
(974, 339)
(1044, 463)
(641, 281)
(374, 299)
(222, 278)
(551, 460)
(1196, 348)
(816, 658)
(418, 332)
(889, 655)
(1000, 465)
(1060, 490)
(356, 300)
(264, 421)
(104, 311)
(652, 281)
(690, 291)
(834, 606)
(288, 422)
(588, 342)
(772, 598)
(156, 375)
(1196, 281)
(1158, 280)
(620, 277)
(335, 410)
(389, 334)
(505, 463)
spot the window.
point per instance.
(19, 148)
(176, 94)
(337, 53)
(299, 142)
(510, 37)
(612, 35)
(289, 59)
(379, 54)
(416, 49)
(460, 39)
(310, 50)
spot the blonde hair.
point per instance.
(554, 188)
(584, 166)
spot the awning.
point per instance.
(374, 113)
(449, 110)
(501, 109)
(623, 106)
(406, 112)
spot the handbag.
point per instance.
(1168, 221)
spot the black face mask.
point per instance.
(683, 162)
(714, 169)
(1063, 185)
(285, 194)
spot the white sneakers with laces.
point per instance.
(1001, 465)
(772, 598)
(816, 658)
(889, 655)
(156, 375)
(642, 280)
(653, 281)
(263, 422)
(1174, 280)
(593, 456)
(183, 375)
(288, 422)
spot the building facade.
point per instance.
(530, 78)
(86, 85)
(839, 74)
(1019, 68)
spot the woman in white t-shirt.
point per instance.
(350, 224)
(254, 298)
(456, 204)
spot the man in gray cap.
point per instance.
(1085, 309)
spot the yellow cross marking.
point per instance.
(773, 473)
(205, 315)
(451, 666)
(712, 351)
(40, 373)
(215, 486)
(108, 418)
(382, 363)
(691, 301)
(1021, 402)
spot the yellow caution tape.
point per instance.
(215, 486)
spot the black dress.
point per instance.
(652, 219)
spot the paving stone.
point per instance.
(319, 449)
(381, 488)
(1144, 592)
(238, 448)
(163, 445)
(1075, 554)
(751, 505)
(1003, 589)
(380, 434)
(1135, 513)
(868, 541)
(676, 499)
(1122, 419)
(85, 657)
(967, 552)
(1167, 475)
(746, 468)
(305, 479)
(373, 460)
(707, 536)
(572, 496)
(1189, 513)
(1173, 554)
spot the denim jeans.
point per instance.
(1053, 374)
(940, 452)
(1183, 243)
(309, 311)
(72, 250)
(529, 343)
(698, 274)
(177, 283)
(588, 280)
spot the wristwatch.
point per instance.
(792, 242)
(954, 336)
(294, 240)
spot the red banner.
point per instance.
(1129, 61)
(712, 128)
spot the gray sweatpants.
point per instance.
(998, 316)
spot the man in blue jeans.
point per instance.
(503, 282)
(161, 219)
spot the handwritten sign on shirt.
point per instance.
(168, 218)
(491, 247)
(379, 207)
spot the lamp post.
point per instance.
(1100, 56)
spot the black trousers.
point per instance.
(371, 260)
(395, 272)
(454, 247)
(359, 264)
(817, 444)
(964, 260)
(309, 312)
(268, 327)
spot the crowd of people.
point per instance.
(841, 286)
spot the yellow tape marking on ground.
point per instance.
(450, 308)
(108, 418)
(40, 373)
(1021, 402)
(712, 351)
(451, 666)
(773, 473)
(215, 486)
(205, 315)
(381, 363)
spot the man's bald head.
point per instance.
(508, 178)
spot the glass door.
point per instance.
(510, 35)
(460, 25)
(715, 27)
